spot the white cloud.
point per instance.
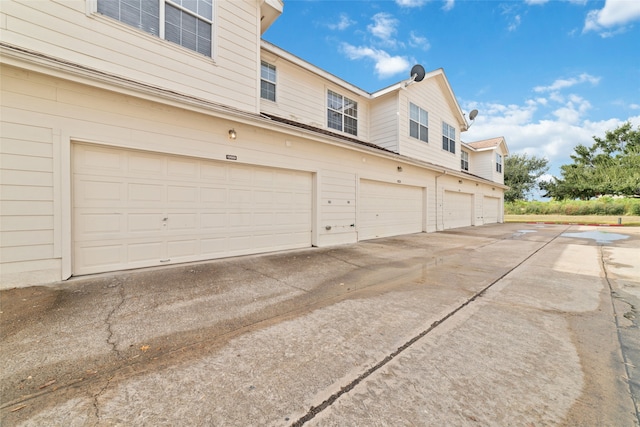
(567, 114)
(555, 96)
(634, 106)
(410, 3)
(419, 41)
(553, 137)
(564, 83)
(615, 13)
(343, 23)
(385, 64)
(515, 23)
(448, 5)
(384, 26)
(535, 2)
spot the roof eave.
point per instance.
(270, 10)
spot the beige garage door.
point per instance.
(457, 209)
(136, 209)
(490, 209)
(388, 209)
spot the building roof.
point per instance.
(487, 144)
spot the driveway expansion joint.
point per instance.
(315, 410)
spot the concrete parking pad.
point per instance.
(511, 324)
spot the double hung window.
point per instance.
(342, 113)
(464, 160)
(498, 163)
(418, 123)
(267, 81)
(188, 23)
(448, 138)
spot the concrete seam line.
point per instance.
(315, 410)
(615, 318)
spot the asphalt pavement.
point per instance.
(501, 325)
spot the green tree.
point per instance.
(521, 173)
(611, 166)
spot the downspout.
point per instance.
(441, 206)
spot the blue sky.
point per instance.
(546, 75)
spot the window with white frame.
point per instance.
(418, 123)
(188, 23)
(267, 81)
(498, 163)
(342, 113)
(464, 160)
(448, 138)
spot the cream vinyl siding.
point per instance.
(138, 209)
(482, 163)
(430, 96)
(62, 29)
(297, 97)
(389, 209)
(491, 210)
(301, 96)
(27, 237)
(384, 122)
(457, 209)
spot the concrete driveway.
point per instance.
(511, 324)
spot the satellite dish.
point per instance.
(473, 114)
(417, 73)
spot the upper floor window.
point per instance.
(448, 138)
(464, 160)
(498, 163)
(188, 23)
(342, 113)
(418, 123)
(267, 81)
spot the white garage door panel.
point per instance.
(136, 209)
(490, 209)
(457, 209)
(389, 209)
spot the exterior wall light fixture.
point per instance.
(399, 168)
(232, 134)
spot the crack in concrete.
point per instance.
(96, 405)
(315, 410)
(110, 337)
(113, 343)
(625, 359)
